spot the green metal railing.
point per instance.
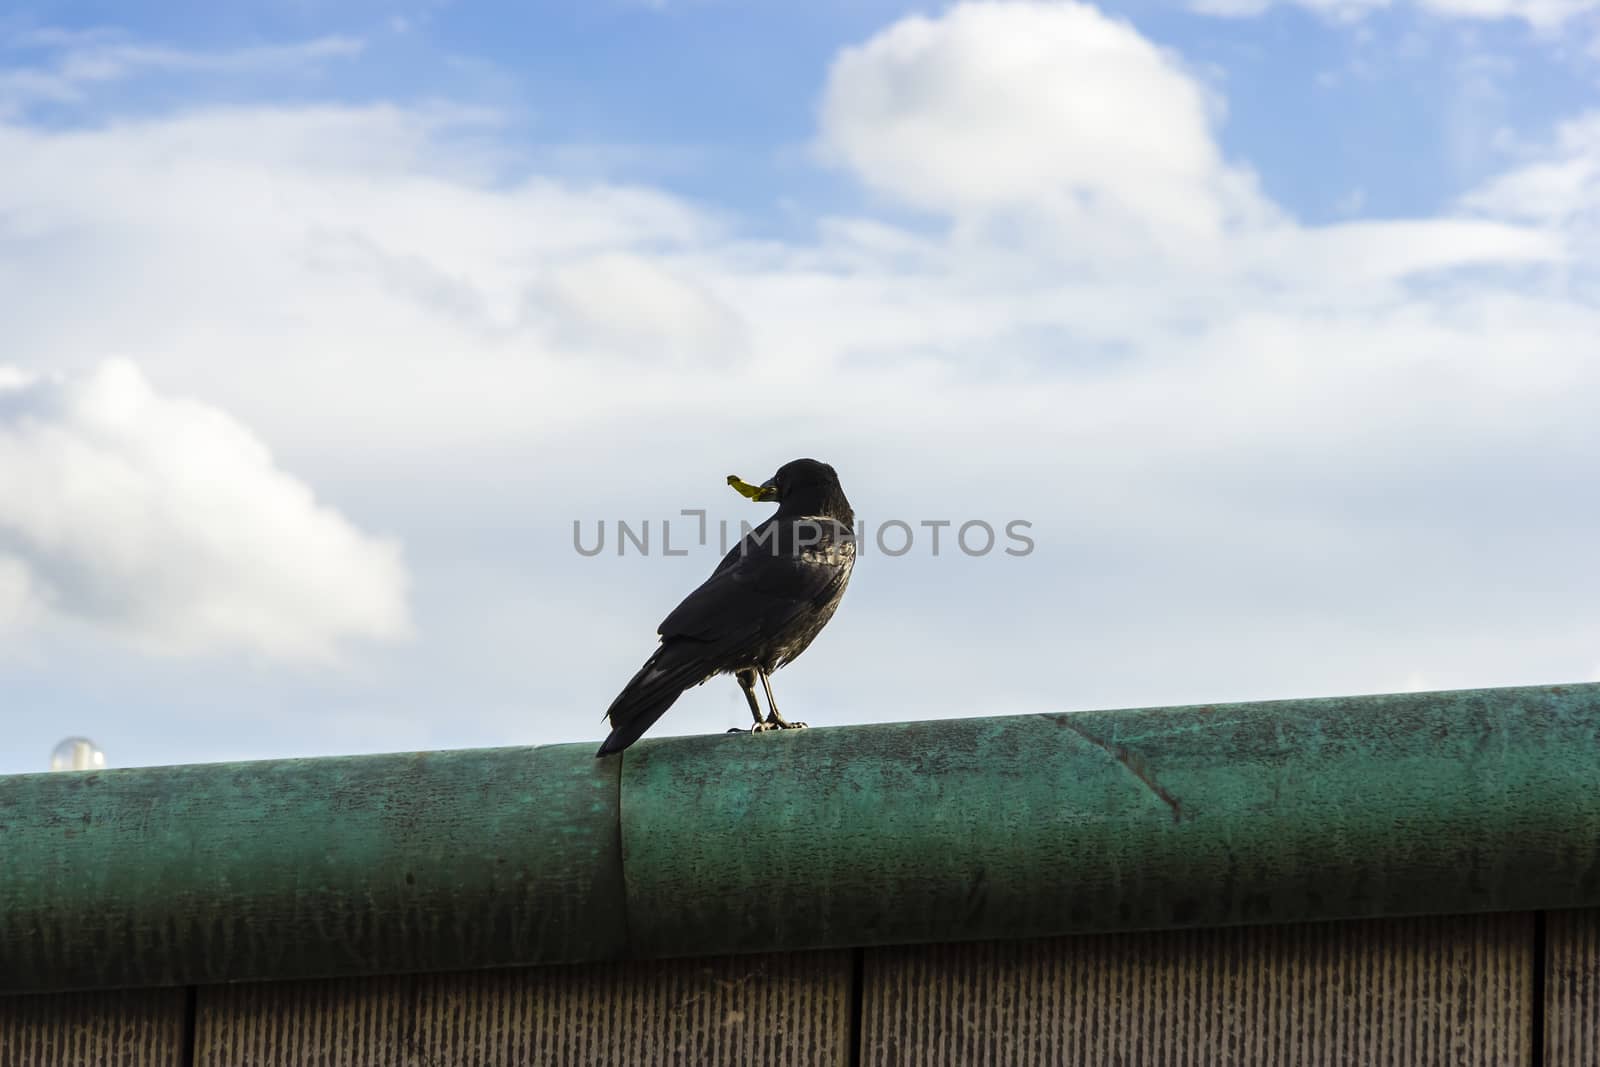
(898, 833)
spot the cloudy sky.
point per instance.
(321, 326)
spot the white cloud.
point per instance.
(81, 62)
(1103, 144)
(631, 305)
(18, 602)
(1356, 254)
(1543, 15)
(379, 241)
(1559, 188)
(166, 522)
(1051, 107)
(1341, 10)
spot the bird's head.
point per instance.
(801, 487)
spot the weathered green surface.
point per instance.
(938, 831)
(354, 865)
(1274, 812)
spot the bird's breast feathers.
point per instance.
(834, 543)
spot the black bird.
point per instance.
(763, 605)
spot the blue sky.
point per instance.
(718, 100)
(324, 326)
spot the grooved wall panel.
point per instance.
(1455, 990)
(779, 1009)
(121, 1028)
(792, 1008)
(1572, 988)
(347, 1022)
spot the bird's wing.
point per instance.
(737, 552)
(752, 596)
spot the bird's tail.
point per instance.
(648, 694)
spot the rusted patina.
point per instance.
(1429, 803)
(356, 865)
(1425, 803)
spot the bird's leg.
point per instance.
(747, 682)
(775, 720)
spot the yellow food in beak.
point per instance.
(754, 492)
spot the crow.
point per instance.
(763, 605)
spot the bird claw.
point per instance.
(776, 724)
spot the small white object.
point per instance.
(77, 754)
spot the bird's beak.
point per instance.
(763, 493)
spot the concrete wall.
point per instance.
(1518, 988)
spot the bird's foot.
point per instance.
(763, 726)
(775, 723)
